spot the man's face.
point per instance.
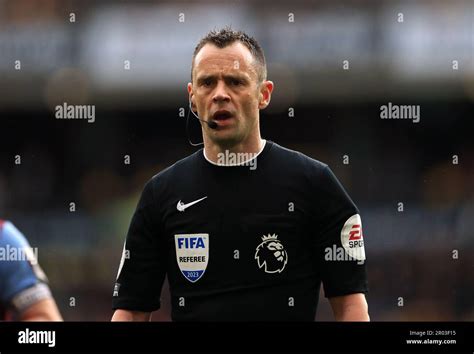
(226, 90)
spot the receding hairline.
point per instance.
(226, 37)
(255, 63)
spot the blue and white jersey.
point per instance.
(22, 282)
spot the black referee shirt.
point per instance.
(248, 242)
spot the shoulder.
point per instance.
(313, 173)
(159, 184)
(22, 271)
(178, 167)
(296, 159)
(10, 235)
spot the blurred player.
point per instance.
(24, 293)
(245, 229)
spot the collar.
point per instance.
(236, 164)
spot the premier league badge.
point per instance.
(271, 254)
(192, 254)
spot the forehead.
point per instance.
(234, 57)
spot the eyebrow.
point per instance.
(227, 76)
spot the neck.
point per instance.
(212, 150)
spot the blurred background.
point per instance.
(71, 186)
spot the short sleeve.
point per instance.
(143, 266)
(339, 243)
(22, 281)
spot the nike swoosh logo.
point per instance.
(182, 207)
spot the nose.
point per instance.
(220, 93)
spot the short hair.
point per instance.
(227, 36)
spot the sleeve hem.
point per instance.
(134, 305)
(330, 294)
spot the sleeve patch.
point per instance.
(352, 238)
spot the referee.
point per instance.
(245, 229)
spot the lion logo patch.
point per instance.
(271, 254)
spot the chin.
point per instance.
(225, 139)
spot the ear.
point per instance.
(265, 94)
(191, 96)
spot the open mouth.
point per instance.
(221, 115)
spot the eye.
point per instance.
(206, 82)
(272, 246)
(235, 82)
